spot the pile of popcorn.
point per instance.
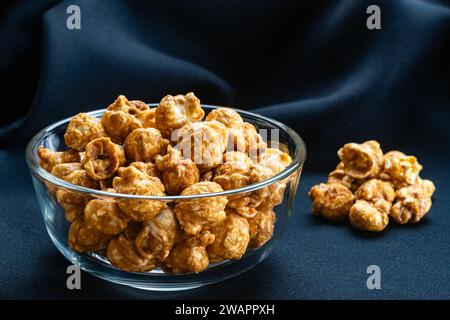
(167, 150)
(370, 187)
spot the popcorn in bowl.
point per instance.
(168, 176)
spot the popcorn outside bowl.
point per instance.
(52, 137)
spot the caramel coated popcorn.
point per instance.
(196, 214)
(235, 125)
(331, 200)
(177, 173)
(122, 253)
(123, 116)
(369, 216)
(190, 255)
(135, 150)
(48, 158)
(175, 111)
(132, 181)
(384, 186)
(105, 216)
(400, 169)
(204, 143)
(83, 237)
(231, 239)
(413, 202)
(103, 158)
(83, 129)
(158, 235)
(362, 160)
(145, 144)
(261, 228)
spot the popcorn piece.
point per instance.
(233, 121)
(148, 168)
(339, 176)
(105, 216)
(370, 216)
(275, 159)
(231, 239)
(103, 158)
(375, 189)
(234, 175)
(83, 237)
(196, 214)
(254, 142)
(144, 144)
(123, 116)
(175, 111)
(237, 156)
(412, 202)
(362, 160)
(132, 181)
(204, 143)
(81, 130)
(122, 254)
(158, 235)
(189, 255)
(400, 169)
(275, 196)
(48, 158)
(261, 228)
(332, 201)
(177, 173)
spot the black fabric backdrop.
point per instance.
(312, 65)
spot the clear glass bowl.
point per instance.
(52, 137)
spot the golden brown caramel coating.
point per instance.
(81, 130)
(148, 168)
(207, 176)
(177, 173)
(175, 111)
(339, 176)
(261, 228)
(254, 142)
(204, 143)
(275, 196)
(196, 214)
(362, 160)
(235, 125)
(105, 216)
(370, 216)
(237, 156)
(103, 158)
(132, 181)
(73, 172)
(190, 255)
(231, 239)
(48, 158)
(233, 175)
(275, 159)
(332, 201)
(83, 237)
(400, 169)
(375, 189)
(413, 202)
(123, 116)
(144, 144)
(158, 235)
(122, 254)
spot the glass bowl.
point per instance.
(45, 185)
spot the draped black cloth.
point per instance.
(313, 65)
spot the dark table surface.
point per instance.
(314, 65)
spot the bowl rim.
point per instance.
(297, 161)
